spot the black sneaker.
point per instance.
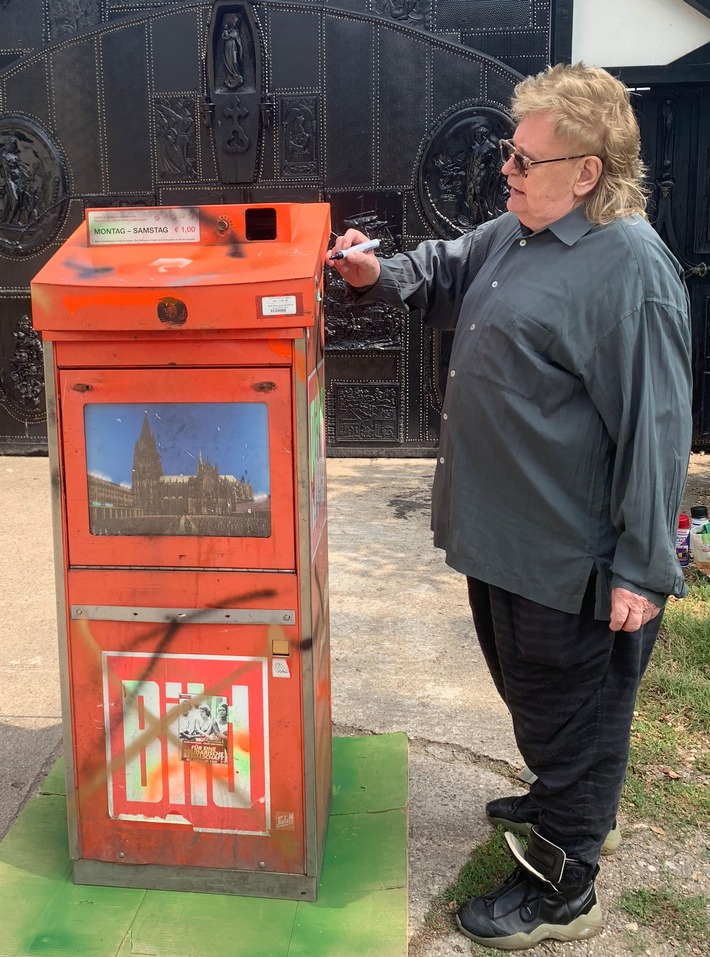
(520, 814)
(547, 897)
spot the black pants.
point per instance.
(570, 685)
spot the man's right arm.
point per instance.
(432, 278)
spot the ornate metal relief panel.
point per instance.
(367, 412)
(25, 386)
(374, 326)
(101, 202)
(22, 410)
(298, 136)
(415, 13)
(67, 18)
(352, 327)
(234, 83)
(460, 180)
(175, 141)
(33, 191)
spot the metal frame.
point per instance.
(676, 72)
(702, 6)
(197, 879)
(561, 19)
(313, 858)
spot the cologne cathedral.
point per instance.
(157, 504)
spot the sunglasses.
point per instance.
(522, 162)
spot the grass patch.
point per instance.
(669, 764)
(684, 919)
(487, 868)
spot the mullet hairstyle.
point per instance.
(592, 110)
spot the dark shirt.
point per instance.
(566, 426)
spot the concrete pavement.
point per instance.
(403, 651)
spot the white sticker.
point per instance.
(278, 305)
(165, 224)
(164, 265)
(280, 668)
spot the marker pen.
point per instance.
(358, 248)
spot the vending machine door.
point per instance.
(178, 468)
(186, 721)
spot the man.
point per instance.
(564, 446)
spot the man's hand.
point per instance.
(630, 611)
(359, 269)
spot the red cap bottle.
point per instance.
(682, 540)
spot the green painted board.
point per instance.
(363, 893)
(55, 782)
(86, 921)
(365, 774)
(361, 910)
(213, 925)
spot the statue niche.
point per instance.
(232, 52)
(234, 77)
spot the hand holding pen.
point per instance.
(353, 255)
(357, 248)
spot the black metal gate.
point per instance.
(675, 130)
(387, 109)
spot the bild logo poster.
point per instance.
(187, 740)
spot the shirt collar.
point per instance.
(569, 228)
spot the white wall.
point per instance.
(636, 32)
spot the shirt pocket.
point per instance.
(511, 350)
(514, 354)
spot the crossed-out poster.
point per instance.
(187, 740)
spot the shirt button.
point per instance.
(453, 373)
(442, 459)
(446, 415)
(494, 284)
(523, 242)
(473, 326)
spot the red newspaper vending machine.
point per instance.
(184, 375)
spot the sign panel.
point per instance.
(112, 227)
(187, 741)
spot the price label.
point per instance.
(165, 224)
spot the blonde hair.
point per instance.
(592, 110)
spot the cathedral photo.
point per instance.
(143, 493)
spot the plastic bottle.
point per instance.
(682, 540)
(698, 518)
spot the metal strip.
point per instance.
(57, 498)
(186, 616)
(303, 500)
(300, 887)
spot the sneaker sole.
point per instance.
(581, 928)
(611, 842)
